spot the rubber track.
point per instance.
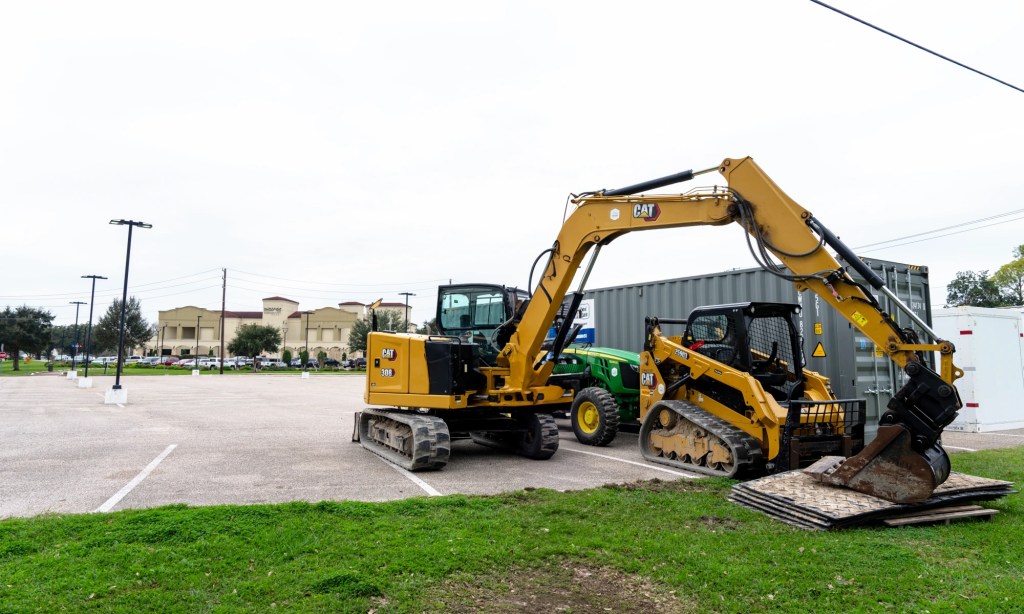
(500, 439)
(745, 449)
(431, 440)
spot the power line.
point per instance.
(948, 234)
(900, 38)
(325, 283)
(928, 232)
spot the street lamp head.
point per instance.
(130, 223)
(93, 277)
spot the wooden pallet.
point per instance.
(942, 515)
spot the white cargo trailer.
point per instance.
(990, 350)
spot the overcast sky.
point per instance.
(336, 151)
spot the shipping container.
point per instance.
(832, 346)
(990, 350)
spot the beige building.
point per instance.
(188, 331)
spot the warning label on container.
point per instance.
(819, 351)
(817, 328)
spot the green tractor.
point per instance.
(609, 394)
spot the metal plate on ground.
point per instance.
(798, 499)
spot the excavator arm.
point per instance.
(906, 461)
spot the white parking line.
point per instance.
(959, 448)
(622, 460)
(111, 502)
(426, 487)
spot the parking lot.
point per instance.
(241, 439)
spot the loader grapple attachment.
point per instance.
(815, 429)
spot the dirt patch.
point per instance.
(715, 523)
(566, 586)
(656, 485)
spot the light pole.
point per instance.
(284, 340)
(406, 295)
(74, 354)
(88, 329)
(197, 341)
(131, 224)
(307, 337)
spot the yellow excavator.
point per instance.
(488, 374)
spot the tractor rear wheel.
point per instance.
(594, 416)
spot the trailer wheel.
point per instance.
(595, 416)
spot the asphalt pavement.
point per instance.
(245, 439)
(242, 439)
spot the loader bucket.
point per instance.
(888, 468)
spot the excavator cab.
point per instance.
(479, 314)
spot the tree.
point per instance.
(429, 327)
(137, 331)
(286, 357)
(254, 339)
(62, 337)
(25, 329)
(387, 319)
(1009, 278)
(973, 288)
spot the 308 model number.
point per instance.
(387, 372)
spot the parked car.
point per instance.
(295, 362)
(211, 362)
(169, 361)
(104, 360)
(187, 363)
(274, 363)
(242, 361)
(332, 362)
(359, 363)
(149, 361)
(133, 360)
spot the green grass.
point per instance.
(683, 542)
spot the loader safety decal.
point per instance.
(819, 351)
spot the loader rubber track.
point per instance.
(694, 440)
(412, 441)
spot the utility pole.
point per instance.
(223, 303)
(407, 295)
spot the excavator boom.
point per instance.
(906, 462)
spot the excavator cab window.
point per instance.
(473, 313)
